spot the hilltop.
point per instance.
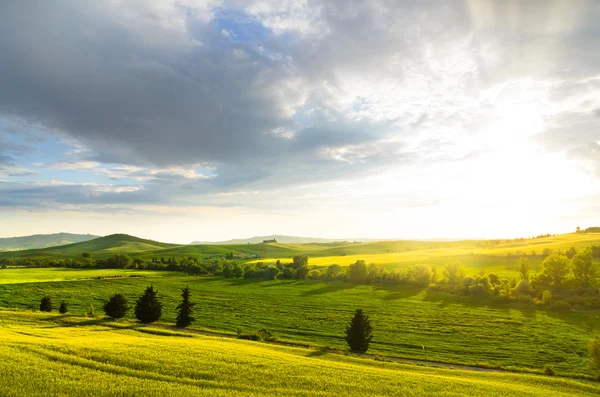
(42, 241)
(115, 243)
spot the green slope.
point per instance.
(103, 246)
(49, 355)
(398, 251)
(42, 241)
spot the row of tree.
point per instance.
(148, 307)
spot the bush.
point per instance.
(549, 371)
(262, 335)
(46, 304)
(116, 306)
(64, 307)
(91, 312)
(289, 272)
(148, 308)
(546, 297)
(271, 273)
(357, 272)
(301, 273)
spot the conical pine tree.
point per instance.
(359, 332)
(148, 308)
(184, 316)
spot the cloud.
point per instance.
(186, 100)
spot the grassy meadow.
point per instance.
(47, 355)
(408, 321)
(72, 354)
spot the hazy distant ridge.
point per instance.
(280, 239)
(42, 241)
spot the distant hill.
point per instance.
(115, 243)
(280, 239)
(42, 241)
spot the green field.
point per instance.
(409, 322)
(490, 256)
(47, 355)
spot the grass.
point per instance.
(19, 275)
(40, 355)
(500, 256)
(408, 322)
(403, 249)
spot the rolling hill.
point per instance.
(42, 241)
(115, 243)
(394, 253)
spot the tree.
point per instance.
(577, 229)
(299, 261)
(63, 308)
(359, 332)
(524, 268)
(358, 272)
(454, 273)
(546, 297)
(557, 267)
(148, 308)
(238, 271)
(571, 253)
(46, 304)
(227, 270)
(184, 316)
(584, 269)
(116, 306)
(301, 273)
(272, 272)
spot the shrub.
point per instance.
(184, 316)
(271, 273)
(301, 273)
(64, 307)
(357, 272)
(46, 304)
(148, 308)
(289, 272)
(546, 297)
(359, 332)
(116, 306)
(262, 335)
(549, 371)
(523, 287)
(91, 312)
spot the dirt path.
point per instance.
(363, 355)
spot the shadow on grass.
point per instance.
(330, 287)
(321, 351)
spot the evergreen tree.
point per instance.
(359, 332)
(184, 316)
(46, 304)
(148, 308)
(64, 307)
(116, 306)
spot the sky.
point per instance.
(184, 120)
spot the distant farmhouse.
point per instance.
(269, 241)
